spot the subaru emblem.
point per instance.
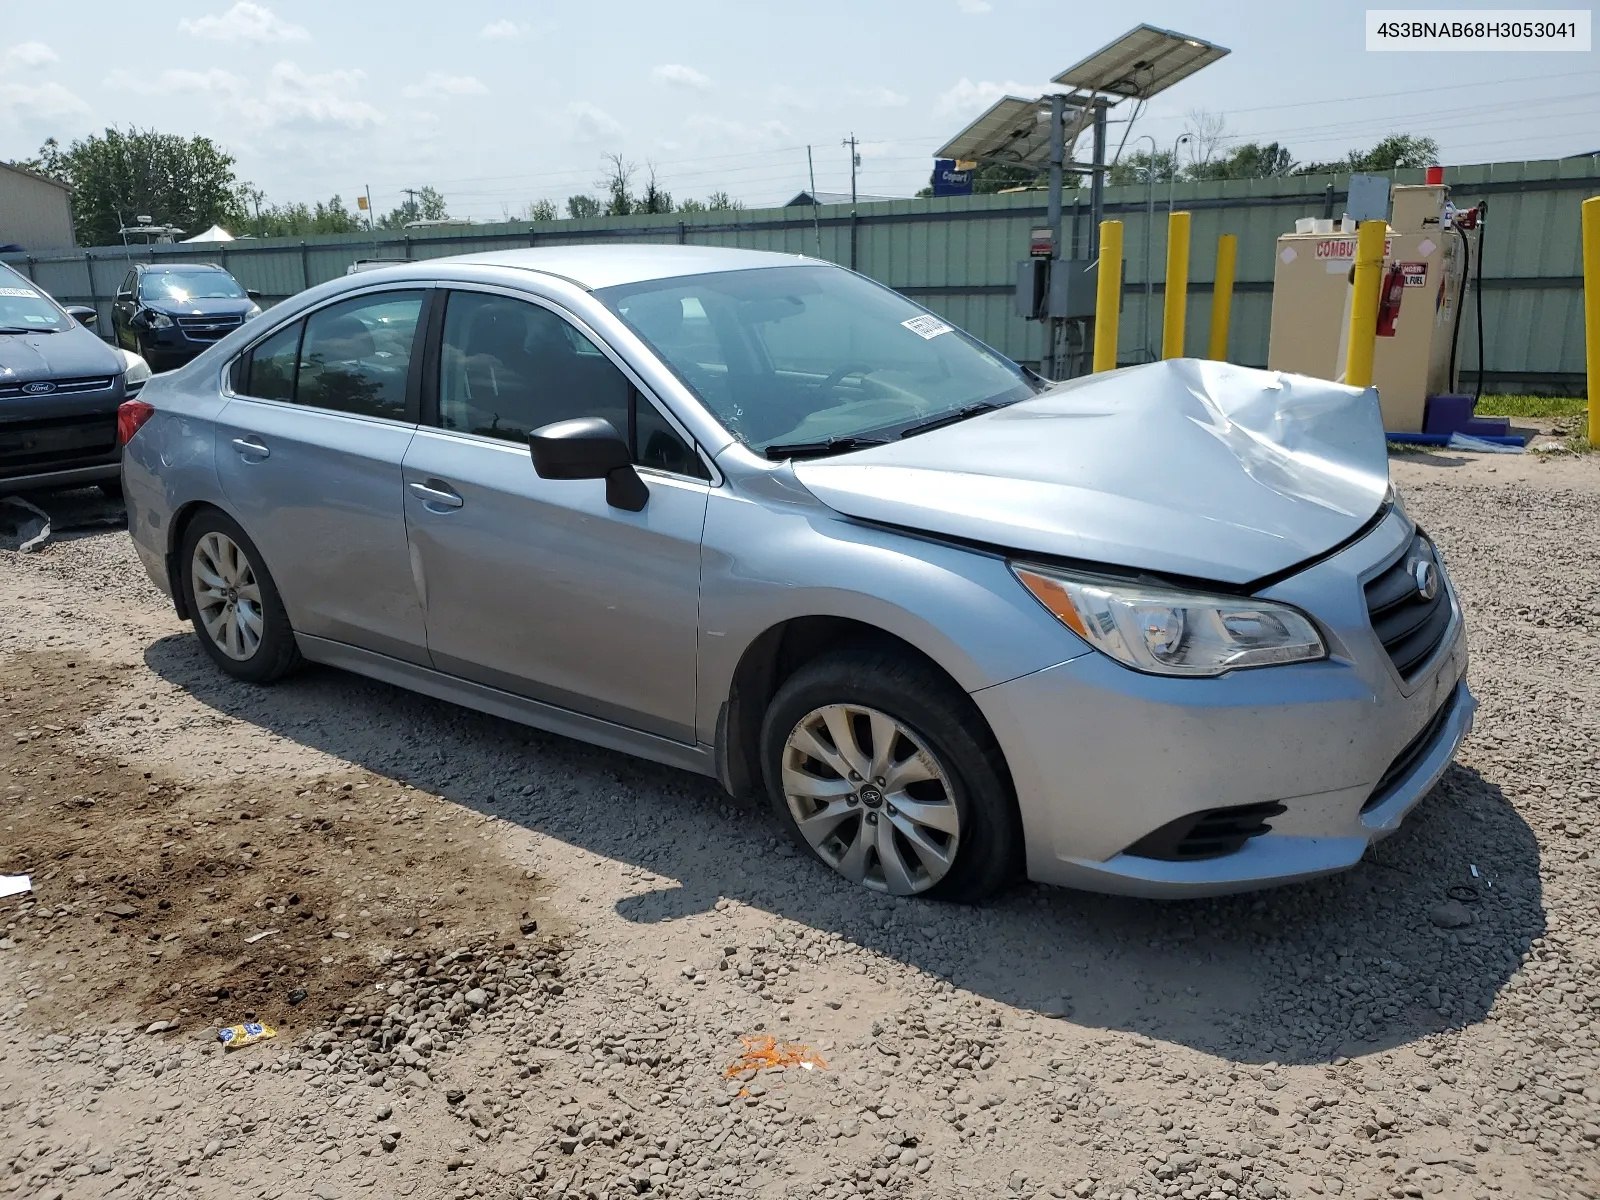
(38, 387)
(1426, 577)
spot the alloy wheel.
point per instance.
(871, 799)
(227, 596)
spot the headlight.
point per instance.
(1171, 632)
(160, 320)
(253, 311)
(135, 373)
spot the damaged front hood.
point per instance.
(1187, 467)
(67, 354)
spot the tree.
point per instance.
(583, 206)
(617, 183)
(1141, 166)
(296, 220)
(1395, 152)
(540, 210)
(655, 199)
(716, 202)
(1207, 132)
(117, 175)
(423, 204)
(1251, 160)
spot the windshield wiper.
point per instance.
(28, 329)
(961, 414)
(834, 445)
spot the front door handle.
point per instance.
(251, 447)
(435, 495)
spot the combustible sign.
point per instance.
(1346, 247)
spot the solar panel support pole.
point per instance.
(1058, 106)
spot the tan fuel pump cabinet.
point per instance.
(1419, 304)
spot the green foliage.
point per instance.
(722, 202)
(541, 210)
(1140, 166)
(120, 174)
(998, 177)
(1250, 160)
(583, 206)
(297, 220)
(1395, 152)
(426, 204)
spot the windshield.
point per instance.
(183, 286)
(808, 355)
(25, 307)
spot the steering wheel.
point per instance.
(839, 374)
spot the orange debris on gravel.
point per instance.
(762, 1052)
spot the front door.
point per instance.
(537, 586)
(309, 452)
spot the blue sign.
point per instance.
(947, 181)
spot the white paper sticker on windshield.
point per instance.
(19, 292)
(928, 326)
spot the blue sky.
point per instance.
(498, 104)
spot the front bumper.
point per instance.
(1101, 756)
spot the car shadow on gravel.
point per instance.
(1420, 937)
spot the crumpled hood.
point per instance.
(74, 353)
(1187, 467)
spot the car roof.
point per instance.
(597, 267)
(175, 268)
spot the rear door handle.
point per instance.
(436, 495)
(251, 447)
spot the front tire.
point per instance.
(880, 767)
(238, 615)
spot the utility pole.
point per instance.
(855, 161)
(411, 199)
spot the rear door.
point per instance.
(309, 449)
(537, 586)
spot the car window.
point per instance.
(507, 367)
(269, 370)
(128, 284)
(355, 355)
(180, 287)
(24, 308)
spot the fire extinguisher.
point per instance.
(1394, 290)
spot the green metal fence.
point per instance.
(957, 256)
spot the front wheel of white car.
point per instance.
(885, 771)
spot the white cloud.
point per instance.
(967, 96)
(294, 97)
(175, 79)
(25, 103)
(974, 7)
(436, 85)
(707, 130)
(502, 29)
(880, 97)
(677, 73)
(30, 54)
(586, 122)
(244, 22)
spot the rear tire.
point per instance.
(237, 612)
(930, 813)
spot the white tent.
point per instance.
(215, 234)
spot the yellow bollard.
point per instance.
(1177, 294)
(1222, 296)
(1371, 237)
(1591, 309)
(1108, 296)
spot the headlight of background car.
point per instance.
(253, 311)
(135, 374)
(160, 320)
(1171, 632)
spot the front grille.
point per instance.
(209, 329)
(1208, 834)
(56, 443)
(64, 387)
(1413, 752)
(1408, 623)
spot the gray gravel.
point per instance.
(1423, 1025)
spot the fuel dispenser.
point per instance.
(1428, 255)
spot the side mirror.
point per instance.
(589, 448)
(82, 314)
(252, 293)
(139, 319)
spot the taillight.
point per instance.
(131, 416)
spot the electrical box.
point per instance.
(1056, 287)
(1072, 288)
(1033, 275)
(1420, 302)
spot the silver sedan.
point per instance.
(1164, 631)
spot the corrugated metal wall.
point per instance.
(34, 211)
(958, 256)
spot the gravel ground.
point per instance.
(558, 949)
